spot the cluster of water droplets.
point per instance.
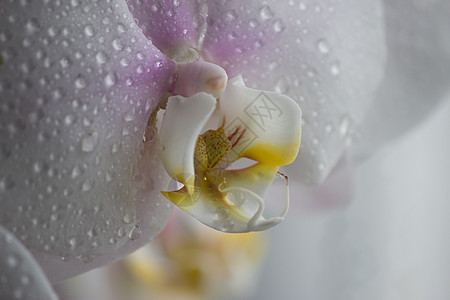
(20, 276)
(71, 119)
(311, 52)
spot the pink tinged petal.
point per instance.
(418, 70)
(152, 213)
(176, 27)
(200, 76)
(329, 58)
(20, 275)
(76, 86)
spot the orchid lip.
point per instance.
(227, 121)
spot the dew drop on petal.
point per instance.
(89, 142)
(278, 26)
(344, 125)
(266, 12)
(236, 198)
(221, 213)
(89, 31)
(335, 68)
(101, 57)
(110, 79)
(227, 225)
(80, 83)
(323, 46)
(135, 233)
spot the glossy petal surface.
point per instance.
(20, 274)
(329, 57)
(176, 27)
(77, 84)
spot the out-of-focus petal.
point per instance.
(77, 85)
(328, 57)
(176, 27)
(182, 124)
(418, 70)
(20, 274)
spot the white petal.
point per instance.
(417, 74)
(269, 122)
(75, 98)
(329, 57)
(21, 276)
(182, 124)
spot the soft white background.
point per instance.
(390, 243)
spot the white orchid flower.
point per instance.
(79, 79)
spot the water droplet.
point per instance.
(344, 125)
(335, 68)
(80, 83)
(127, 218)
(323, 46)
(32, 26)
(25, 280)
(69, 119)
(108, 176)
(135, 233)
(6, 183)
(125, 62)
(110, 79)
(87, 185)
(121, 28)
(221, 213)
(302, 6)
(227, 225)
(120, 232)
(231, 15)
(73, 243)
(282, 85)
(130, 115)
(101, 57)
(12, 261)
(117, 44)
(278, 26)
(89, 31)
(236, 198)
(65, 62)
(266, 12)
(89, 142)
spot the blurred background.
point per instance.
(378, 228)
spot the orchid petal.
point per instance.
(264, 126)
(329, 58)
(200, 76)
(21, 277)
(77, 86)
(182, 124)
(176, 27)
(418, 71)
(239, 207)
